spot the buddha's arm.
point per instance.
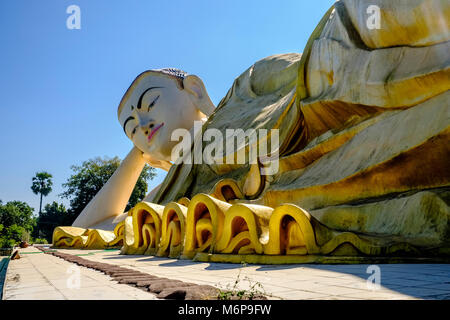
(113, 197)
(155, 163)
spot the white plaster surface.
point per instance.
(39, 276)
(44, 277)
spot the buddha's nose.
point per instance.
(147, 128)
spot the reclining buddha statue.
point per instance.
(352, 151)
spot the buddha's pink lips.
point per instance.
(154, 131)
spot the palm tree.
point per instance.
(42, 184)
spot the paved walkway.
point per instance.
(397, 281)
(45, 277)
(3, 267)
(42, 276)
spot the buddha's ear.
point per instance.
(194, 85)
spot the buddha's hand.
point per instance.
(155, 163)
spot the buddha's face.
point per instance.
(152, 109)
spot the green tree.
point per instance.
(53, 215)
(42, 184)
(90, 177)
(15, 232)
(16, 220)
(17, 213)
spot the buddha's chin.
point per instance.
(165, 152)
(157, 152)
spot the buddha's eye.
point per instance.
(153, 103)
(133, 132)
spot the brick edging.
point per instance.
(164, 288)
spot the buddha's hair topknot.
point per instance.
(173, 72)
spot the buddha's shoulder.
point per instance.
(265, 77)
(272, 73)
(260, 92)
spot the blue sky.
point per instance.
(60, 88)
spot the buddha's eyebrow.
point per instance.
(125, 123)
(142, 95)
